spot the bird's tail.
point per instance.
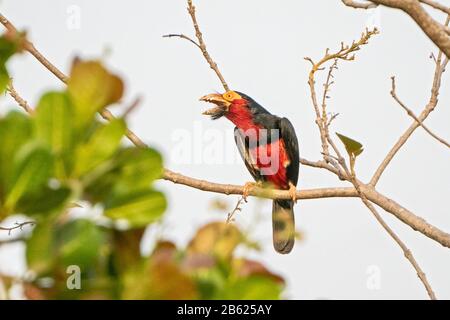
(283, 225)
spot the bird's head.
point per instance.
(225, 103)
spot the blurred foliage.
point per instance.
(113, 267)
(9, 45)
(63, 155)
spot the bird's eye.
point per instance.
(229, 96)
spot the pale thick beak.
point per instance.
(221, 107)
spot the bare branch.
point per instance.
(434, 30)
(412, 115)
(182, 36)
(201, 44)
(326, 89)
(229, 189)
(17, 225)
(406, 251)
(31, 49)
(237, 208)
(20, 101)
(350, 175)
(346, 52)
(133, 106)
(430, 106)
(362, 195)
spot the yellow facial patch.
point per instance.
(231, 95)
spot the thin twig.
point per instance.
(326, 90)
(347, 53)
(429, 107)
(350, 173)
(20, 101)
(201, 44)
(412, 115)
(28, 46)
(17, 225)
(237, 208)
(406, 251)
(182, 36)
(136, 102)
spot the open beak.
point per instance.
(221, 105)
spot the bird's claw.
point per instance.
(293, 192)
(248, 186)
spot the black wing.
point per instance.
(287, 133)
(242, 143)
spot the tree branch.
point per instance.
(201, 44)
(347, 53)
(17, 225)
(21, 102)
(431, 105)
(406, 251)
(229, 189)
(435, 31)
(182, 36)
(237, 208)
(362, 195)
(412, 115)
(350, 173)
(28, 46)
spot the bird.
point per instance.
(269, 148)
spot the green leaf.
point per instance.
(45, 201)
(15, 130)
(92, 88)
(353, 147)
(139, 208)
(8, 47)
(32, 169)
(79, 243)
(54, 121)
(101, 146)
(4, 78)
(139, 168)
(40, 249)
(52, 246)
(131, 169)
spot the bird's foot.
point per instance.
(293, 192)
(248, 186)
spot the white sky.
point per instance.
(259, 47)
